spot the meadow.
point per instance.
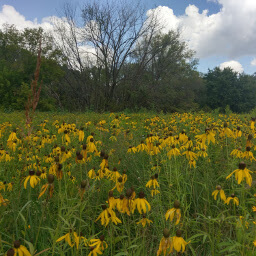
(127, 184)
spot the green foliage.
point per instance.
(18, 50)
(228, 88)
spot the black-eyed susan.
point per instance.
(190, 155)
(107, 215)
(119, 185)
(124, 176)
(81, 134)
(131, 149)
(141, 147)
(249, 141)
(78, 239)
(91, 174)
(49, 185)
(65, 138)
(84, 151)
(59, 172)
(141, 204)
(120, 204)
(114, 175)
(2, 185)
(32, 178)
(237, 152)
(3, 201)
(238, 132)
(248, 154)
(179, 243)
(226, 131)
(234, 198)
(166, 244)
(153, 182)
(104, 162)
(20, 250)
(154, 192)
(241, 174)
(219, 191)
(253, 123)
(10, 186)
(99, 243)
(173, 152)
(91, 147)
(174, 212)
(67, 238)
(208, 137)
(94, 251)
(144, 221)
(112, 202)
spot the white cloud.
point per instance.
(253, 62)
(234, 65)
(11, 16)
(231, 32)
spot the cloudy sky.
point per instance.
(222, 32)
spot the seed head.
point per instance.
(166, 232)
(31, 172)
(178, 233)
(250, 137)
(128, 192)
(50, 178)
(176, 204)
(242, 166)
(141, 194)
(104, 207)
(10, 252)
(16, 244)
(83, 183)
(218, 187)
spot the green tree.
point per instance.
(18, 51)
(222, 89)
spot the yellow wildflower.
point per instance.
(174, 212)
(234, 198)
(144, 221)
(32, 178)
(179, 243)
(220, 191)
(141, 203)
(241, 174)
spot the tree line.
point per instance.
(111, 57)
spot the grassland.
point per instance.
(82, 165)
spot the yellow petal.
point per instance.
(25, 251)
(26, 181)
(61, 238)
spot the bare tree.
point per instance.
(114, 28)
(67, 34)
(100, 42)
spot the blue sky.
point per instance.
(224, 35)
(32, 9)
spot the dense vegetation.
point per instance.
(159, 74)
(87, 184)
